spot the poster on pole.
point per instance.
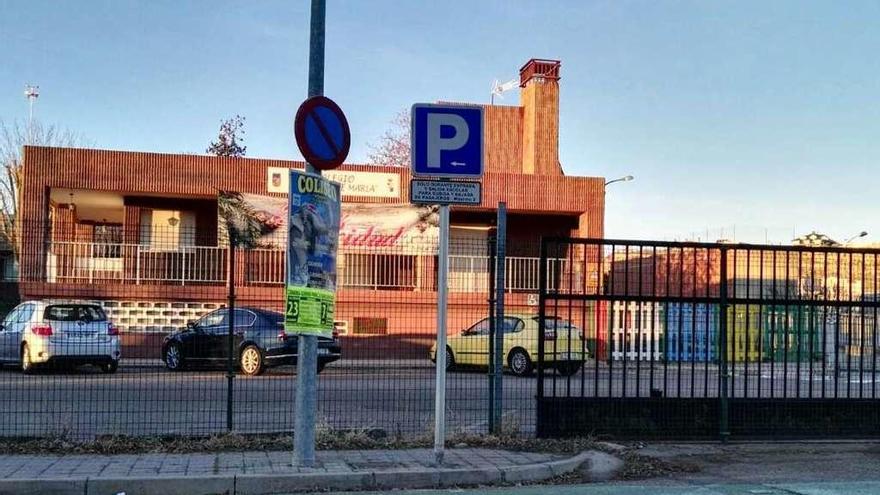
(314, 206)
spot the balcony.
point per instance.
(137, 264)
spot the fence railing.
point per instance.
(712, 340)
(88, 262)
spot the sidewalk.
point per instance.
(271, 472)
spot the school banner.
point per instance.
(314, 206)
(364, 228)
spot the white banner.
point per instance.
(371, 228)
(354, 183)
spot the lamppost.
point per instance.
(626, 178)
(857, 236)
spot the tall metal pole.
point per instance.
(442, 289)
(723, 308)
(307, 359)
(492, 330)
(498, 341)
(230, 332)
(31, 93)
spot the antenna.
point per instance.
(31, 92)
(500, 89)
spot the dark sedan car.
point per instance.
(259, 342)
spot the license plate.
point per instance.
(323, 352)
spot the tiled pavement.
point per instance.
(35, 467)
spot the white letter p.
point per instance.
(436, 143)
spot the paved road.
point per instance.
(151, 400)
(788, 468)
(144, 398)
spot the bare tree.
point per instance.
(393, 147)
(229, 138)
(13, 138)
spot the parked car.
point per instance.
(564, 349)
(259, 342)
(38, 333)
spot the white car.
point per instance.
(71, 333)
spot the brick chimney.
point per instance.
(539, 80)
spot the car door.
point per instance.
(473, 345)
(243, 323)
(513, 336)
(9, 337)
(207, 338)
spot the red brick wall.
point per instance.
(194, 176)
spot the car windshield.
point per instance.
(74, 312)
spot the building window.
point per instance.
(168, 229)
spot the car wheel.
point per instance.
(110, 368)
(519, 362)
(173, 358)
(251, 361)
(450, 360)
(568, 368)
(321, 367)
(27, 365)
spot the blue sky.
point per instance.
(757, 116)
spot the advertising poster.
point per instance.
(314, 206)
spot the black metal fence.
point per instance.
(710, 340)
(80, 292)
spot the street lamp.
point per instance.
(857, 236)
(621, 179)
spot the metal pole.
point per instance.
(542, 313)
(440, 388)
(307, 359)
(724, 432)
(498, 342)
(230, 329)
(493, 328)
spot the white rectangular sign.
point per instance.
(354, 183)
(444, 192)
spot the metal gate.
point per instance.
(692, 340)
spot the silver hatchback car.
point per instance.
(72, 333)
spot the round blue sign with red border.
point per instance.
(322, 133)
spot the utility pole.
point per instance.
(307, 353)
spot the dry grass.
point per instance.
(326, 439)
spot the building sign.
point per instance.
(354, 183)
(369, 228)
(314, 206)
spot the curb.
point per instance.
(266, 484)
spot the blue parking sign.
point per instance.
(447, 140)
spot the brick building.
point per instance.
(140, 231)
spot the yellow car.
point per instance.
(564, 348)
